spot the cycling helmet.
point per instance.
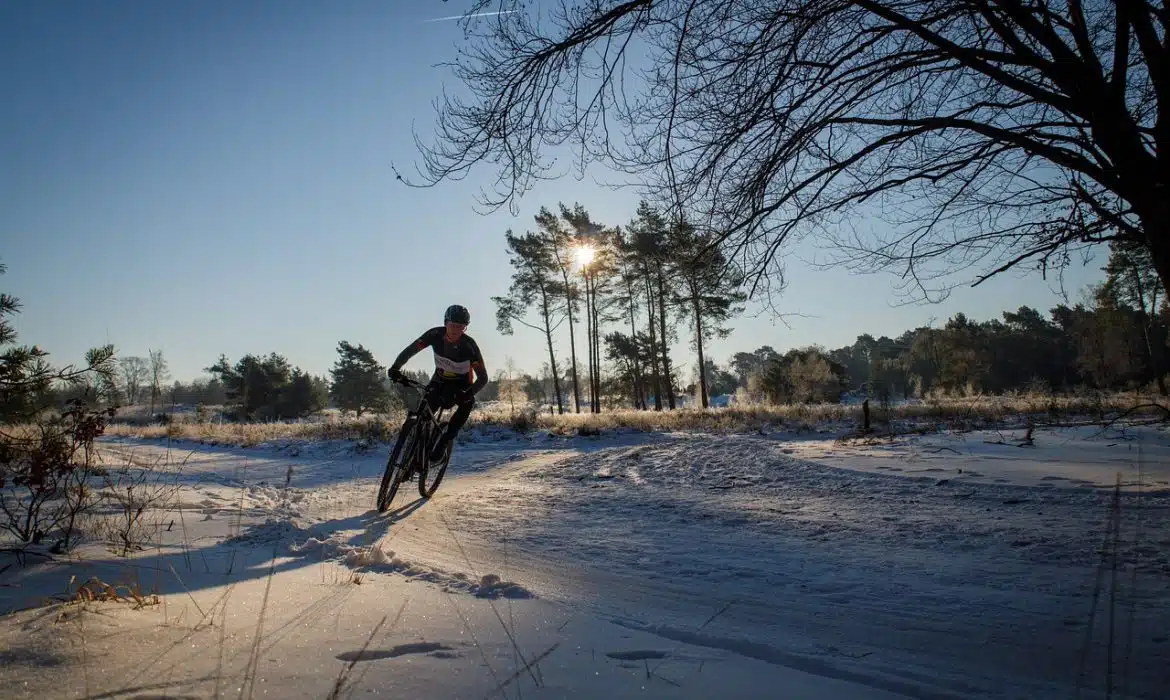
(457, 314)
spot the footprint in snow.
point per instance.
(433, 648)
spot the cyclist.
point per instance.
(457, 356)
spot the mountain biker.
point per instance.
(456, 356)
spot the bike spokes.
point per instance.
(398, 465)
(428, 480)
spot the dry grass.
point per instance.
(95, 590)
(940, 411)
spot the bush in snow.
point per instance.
(46, 455)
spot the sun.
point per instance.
(584, 255)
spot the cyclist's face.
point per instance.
(455, 330)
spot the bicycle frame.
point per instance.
(428, 421)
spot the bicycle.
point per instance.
(411, 453)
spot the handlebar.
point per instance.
(408, 382)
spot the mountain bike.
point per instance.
(411, 454)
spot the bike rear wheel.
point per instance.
(428, 480)
(398, 464)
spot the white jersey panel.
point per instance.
(448, 365)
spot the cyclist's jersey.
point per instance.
(453, 361)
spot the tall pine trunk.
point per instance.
(639, 396)
(552, 356)
(573, 359)
(656, 375)
(666, 370)
(572, 333)
(589, 339)
(699, 344)
(596, 348)
(1153, 360)
(591, 296)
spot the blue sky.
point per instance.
(211, 177)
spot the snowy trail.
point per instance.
(702, 565)
(845, 574)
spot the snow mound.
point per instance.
(375, 558)
(270, 532)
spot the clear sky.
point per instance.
(213, 176)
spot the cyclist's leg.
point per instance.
(462, 407)
(462, 411)
(434, 398)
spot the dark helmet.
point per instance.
(457, 314)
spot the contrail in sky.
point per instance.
(477, 14)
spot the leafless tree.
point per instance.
(925, 136)
(134, 372)
(159, 373)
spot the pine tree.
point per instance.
(304, 395)
(627, 297)
(1132, 280)
(560, 245)
(596, 262)
(710, 292)
(357, 381)
(534, 283)
(260, 387)
(649, 248)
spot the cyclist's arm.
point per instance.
(477, 366)
(413, 349)
(481, 376)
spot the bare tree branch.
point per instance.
(971, 136)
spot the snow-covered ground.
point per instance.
(680, 565)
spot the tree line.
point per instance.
(268, 387)
(637, 289)
(1105, 346)
(255, 387)
(1117, 339)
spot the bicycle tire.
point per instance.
(396, 464)
(423, 489)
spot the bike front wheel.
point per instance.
(398, 464)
